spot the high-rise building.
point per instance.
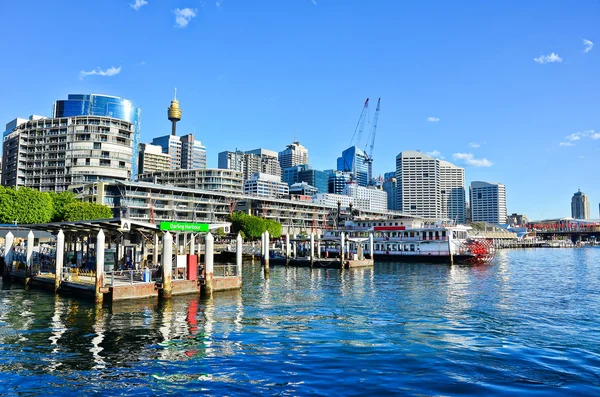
(153, 159)
(487, 202)
(368, 198)
(294, 154)
(250, 162)
(304, 173)
(580, 206)
(390, 186)
(355, 161)
(171, 145)
(105, 106)
(232, 161)
(418, 181)
(266, 185)
(337, 180)
(193, 153)
(51, 154)
(452, 192)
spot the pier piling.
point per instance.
(60, 254)
(8, 251)
(100, 240)
(209, 258)
(238, 254)
(371, 247)
(342, 246)
(167, 265)
(312, 248)
(288, 248)
(29, 260)
(267, 243)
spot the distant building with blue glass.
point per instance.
(355, 161)
(304, 173)
(106, 106)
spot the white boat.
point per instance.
(415, 240)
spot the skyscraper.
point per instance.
(294, 154)
(153, 159)
(452, 191)
(488, 202)
(249, 162)
(106, 106)
(193, 153)
(390, 186)
(418, 181)
(355, 161)
(580, 206)
(171, 145)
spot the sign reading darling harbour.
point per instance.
(184, 227)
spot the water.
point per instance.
(529, 323)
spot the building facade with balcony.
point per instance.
(212, 179)
(51, 154)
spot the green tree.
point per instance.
(273, 227)
(79, 211)
(24, 205)
(60, 200)
(220, 232)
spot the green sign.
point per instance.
(184, 227)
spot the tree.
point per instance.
(220, 232)
(60, 200)
(273, 227)
(24, 205)
(79, 211)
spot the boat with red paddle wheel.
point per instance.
(413, 240)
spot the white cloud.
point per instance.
(588, 45)
(581, 157)
(108, 72)
(469, 159)
(183, 16)
(576, 136)
(433, 119)
(566, 144)
(314, 2)
(548, 58)
(435, 153)
(474, 145)
(138, 4)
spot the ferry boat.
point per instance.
(415, 240)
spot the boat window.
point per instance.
(443, 233)
(412, 247)
(412, 234)
(405, 234)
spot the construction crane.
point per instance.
(372, 135)
(361, 124)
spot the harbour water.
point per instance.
(528, 323)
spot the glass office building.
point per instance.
(107, 106)
(354, 160)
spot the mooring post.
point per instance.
(192, 244)
(371, 247)
(312, 248)
(60, 254)
(209, 260)
(318, 247)
(342, 246)
(167, 265)
(294, 249)
(9, 250)
(288, 248)
(262, 247)
(100, 240)
(29, 260)
(155, 252)
(238, 254)
(267, 249)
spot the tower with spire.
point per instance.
(174, 114)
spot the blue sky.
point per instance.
(250, 73)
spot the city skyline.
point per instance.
(503, 94)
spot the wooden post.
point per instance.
(167, 265)
(100, 239)
(450, 251)
(294, 249)
(312, 248)
(60, 254)
(371, 247)
(193, 244)
(209, 257)
(239, 243)
(267, 243)
(342, 246)
(155, 256)
(29, 261)
(288, 248)
(8, 252)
